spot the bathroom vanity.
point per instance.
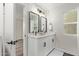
(40, 44)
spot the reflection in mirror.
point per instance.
(33, 22)
(42, 24)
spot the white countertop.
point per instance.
(40, 35)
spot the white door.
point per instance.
(14, 30)
(1, 27)
(10, 48)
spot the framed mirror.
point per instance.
(42, 24)
(33, 22)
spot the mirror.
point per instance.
(37, 23)
(33, 22)
(42, 24)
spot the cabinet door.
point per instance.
(37, 47)
(32, 47)
(50, 40)
(41, 47)
(45, 45)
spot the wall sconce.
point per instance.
(40, 11)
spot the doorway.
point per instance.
(13, 30)
(19, 30)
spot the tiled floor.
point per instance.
(56, 52)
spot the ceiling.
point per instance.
(64, 7)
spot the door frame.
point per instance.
(25, 30)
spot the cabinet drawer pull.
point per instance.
(52, 40)
(44, 44)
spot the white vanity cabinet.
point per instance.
(40, 45)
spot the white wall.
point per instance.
(68, 43)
